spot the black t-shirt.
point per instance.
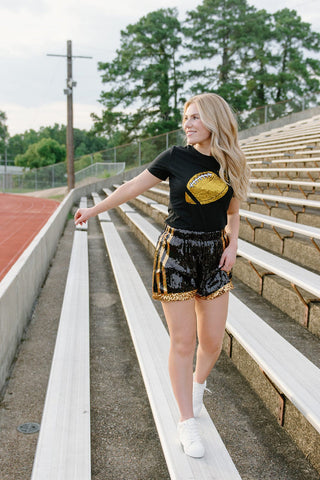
(199, 198)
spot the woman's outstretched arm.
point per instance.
(122, 194)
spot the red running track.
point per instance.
(21, 219)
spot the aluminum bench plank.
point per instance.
(82, 204)
(146, 200)
(63, 449)
(284, 160)
(153, 204)
(289, 200)
(292, 372)
(281, 144)
(104, 216)
(161, 208)
(300, 276)
(306, 230)
(152, 346)
(285, 182)
(150, 231)
(287, 169)
(125, 207)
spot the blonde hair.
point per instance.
(217, 117)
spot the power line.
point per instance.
(69, 92)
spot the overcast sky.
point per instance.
(32, 84)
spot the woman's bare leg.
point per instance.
(182, 324)
(211, 321)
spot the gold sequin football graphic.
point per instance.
(205, 187)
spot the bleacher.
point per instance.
(278, 259)
(64, 453)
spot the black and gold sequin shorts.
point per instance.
(186, 265)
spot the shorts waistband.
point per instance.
(191, 234)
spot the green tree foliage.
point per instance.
(296, 73)
(143, 80)
(258, 59)
(84, 142)
(217, 33)
(45, 152)
(249, 56)
(3, 132)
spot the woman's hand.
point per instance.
(228, 258)
(82, 215)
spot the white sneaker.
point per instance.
(197, 397)
(190, 438)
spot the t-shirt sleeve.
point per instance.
(160, 167)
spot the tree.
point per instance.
(3, 133)
(143, 80)
(296, 74)
(45, 152)
(216, 33)
(84, 142)
(258, 59)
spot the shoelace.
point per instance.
(199, 393)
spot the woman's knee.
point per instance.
(183, 347)
(210, 346)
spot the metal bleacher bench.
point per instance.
(302, 202)
(284, 160)
(286, 169)
(305, 230)
(296, 183)
(63, 449)
(290, 371)
(151, 343)
(298, 276)
(283, 144)
(265, 155)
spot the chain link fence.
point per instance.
(55, 176)
(113, 160)
(267, 113)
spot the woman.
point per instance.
(192, 266)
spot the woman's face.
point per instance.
(196, 132)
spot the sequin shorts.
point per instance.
(186, 265)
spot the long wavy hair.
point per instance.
(217, 117)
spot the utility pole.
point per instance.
(69, 92)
